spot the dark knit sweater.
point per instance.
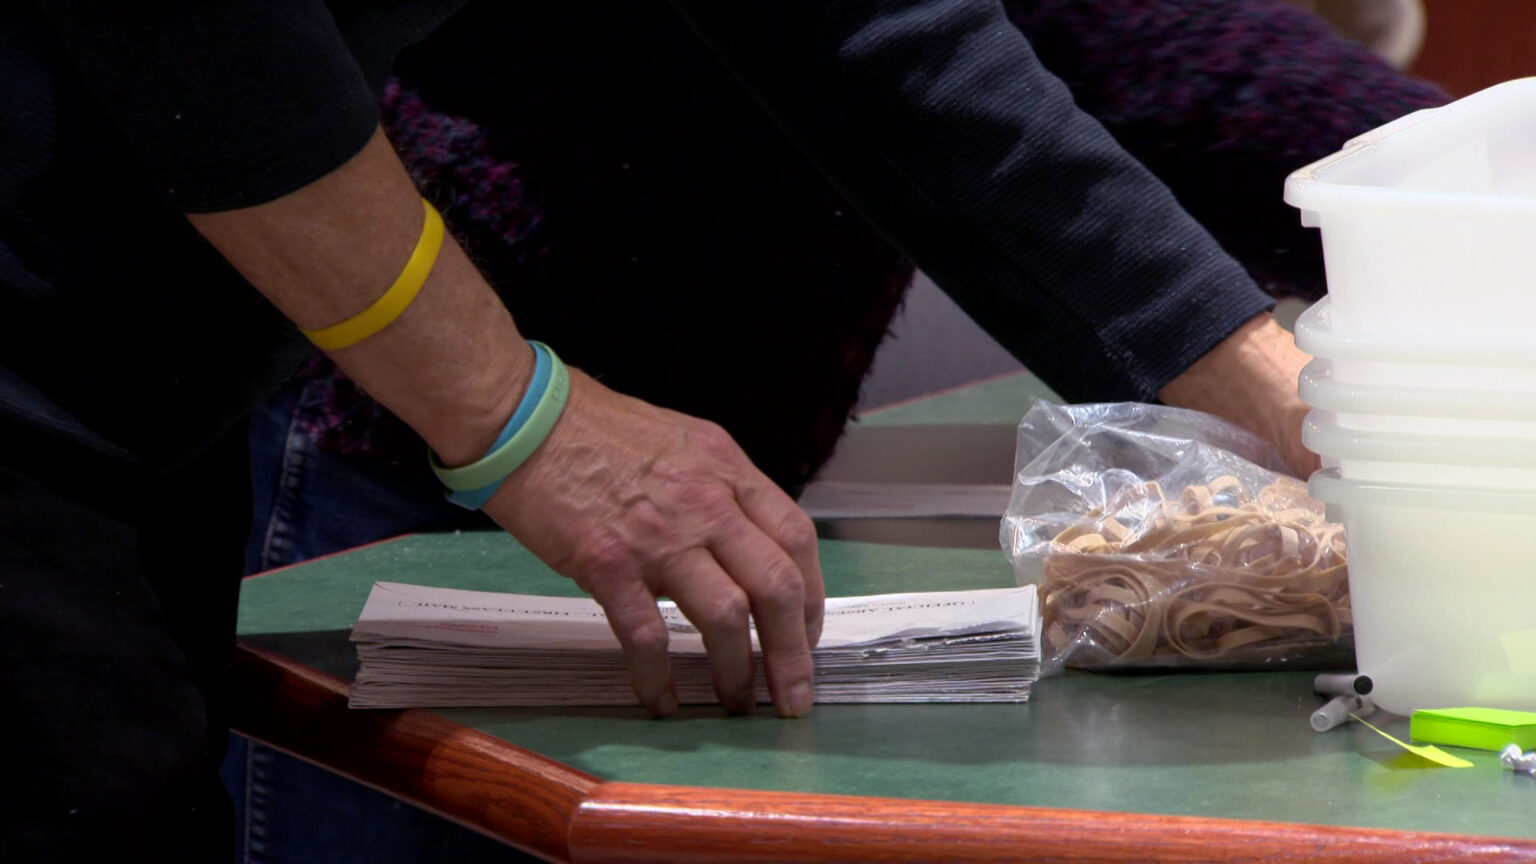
(127, 344)
(1220, 99)
(934, 117)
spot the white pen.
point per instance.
(1342, 684)
(1338, 709)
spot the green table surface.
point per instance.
(1220, 745)
(1002, 400)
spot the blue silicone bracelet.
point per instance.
(540, 407)
(474, 499)
(497, 465)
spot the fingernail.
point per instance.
(800, 699)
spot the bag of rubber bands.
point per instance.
(1162, 538)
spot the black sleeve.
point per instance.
(225, 104)
(935, 118)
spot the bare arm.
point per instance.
(452, 365)
(631, 501)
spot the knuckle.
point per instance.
(780, 584)
(796, 531)
(645, 521)
(726, 610)
(647, 638)
(712, 439)
(708, 499)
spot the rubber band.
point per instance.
(516, 448)
(394, 301)
(1170, 588)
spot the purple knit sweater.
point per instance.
(1222, 99)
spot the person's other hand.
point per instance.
(636, 502)
(1249, 378)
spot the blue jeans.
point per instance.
(310, 502)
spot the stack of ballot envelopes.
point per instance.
(436, 647)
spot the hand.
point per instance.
(636, 502)
(1250, 378)
(632, 501)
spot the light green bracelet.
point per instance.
(498, 463)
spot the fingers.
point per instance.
(781, 519)
(636, 502)
(719, 608)
(632, 613)
(776, 591)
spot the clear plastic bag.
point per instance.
(1164, 538)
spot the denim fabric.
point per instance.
(311, 502)
(291, 812)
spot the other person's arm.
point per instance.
(936, 119)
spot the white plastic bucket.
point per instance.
(1429, 222)
(1442, 592)
(1421, 458)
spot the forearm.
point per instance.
(939, 123)
(452, 366)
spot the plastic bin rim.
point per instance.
(1322, 434)
(1322, 197)
(1327, 486)
(1315, 335)
(1320, 389)
(1308, 192)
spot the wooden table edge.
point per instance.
(562, 814)
(459, 773)
(627, 823)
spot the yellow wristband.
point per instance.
(388, 307)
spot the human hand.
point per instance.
(636, 502)
(1250, 379)
(632, 501)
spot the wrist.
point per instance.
(453, 366)
(471, 417)
(1248, 378)
(472, 485)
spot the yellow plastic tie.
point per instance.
(1423, 751)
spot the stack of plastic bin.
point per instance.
(1424, 395)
